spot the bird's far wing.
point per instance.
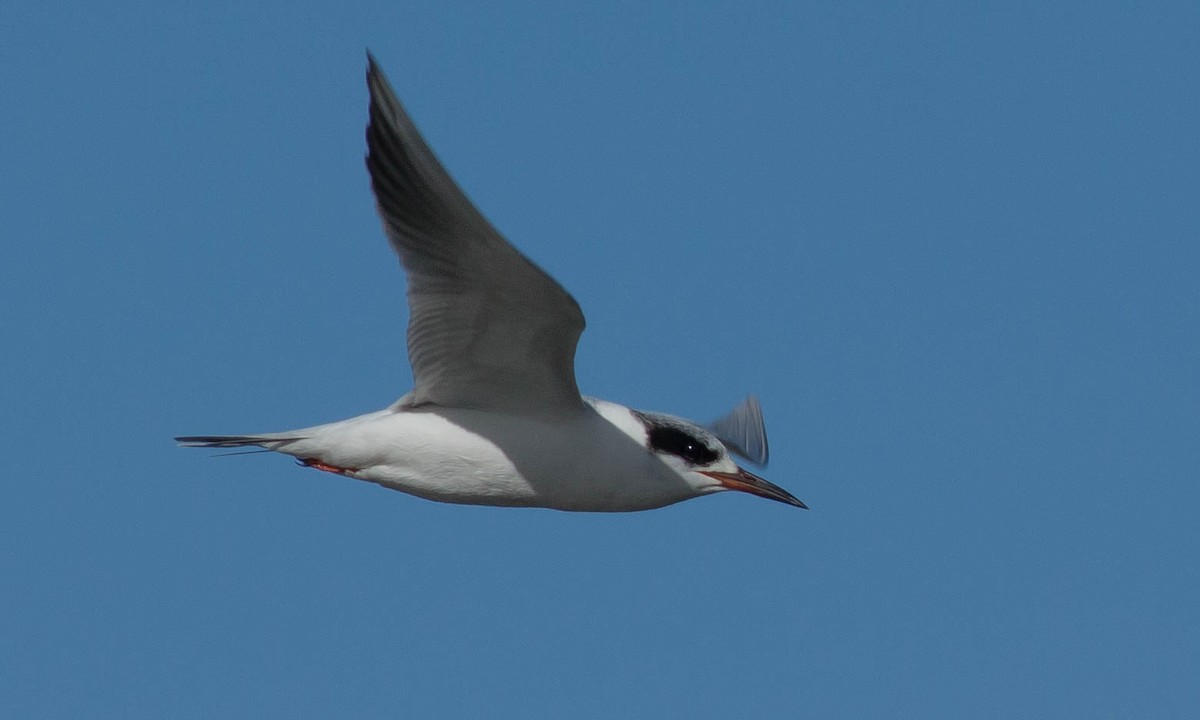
(487, 327)
(743, 431)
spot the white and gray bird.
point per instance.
(495, 417)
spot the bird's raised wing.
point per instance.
(487, 327)
(743, 431)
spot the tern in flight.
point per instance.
(495, 417)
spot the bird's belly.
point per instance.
(425, 455)
(463, 456)
(477, 480)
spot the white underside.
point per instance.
(582, 460)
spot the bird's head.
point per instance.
(702, 460)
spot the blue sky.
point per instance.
(952, 247)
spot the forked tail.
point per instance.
(271, 442)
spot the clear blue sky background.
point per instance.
(953, 247)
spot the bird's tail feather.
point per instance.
(270, 442)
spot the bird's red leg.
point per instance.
(317, 464)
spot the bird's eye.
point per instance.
(681, 444)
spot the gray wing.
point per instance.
(743, 431)
(487, 327)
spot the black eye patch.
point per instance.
(681, 444)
